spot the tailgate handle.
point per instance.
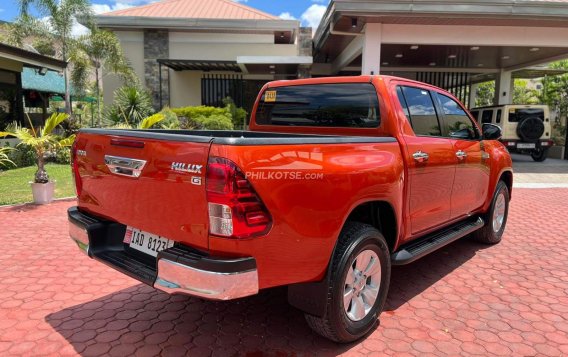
(124, 166)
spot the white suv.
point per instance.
(526, 128)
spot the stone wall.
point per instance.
(156, 46)
(305, 48)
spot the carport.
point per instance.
(451, 44)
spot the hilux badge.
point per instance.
(189, 168)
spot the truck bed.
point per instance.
(236, 137)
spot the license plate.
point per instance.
(526, 145)
(146, 242)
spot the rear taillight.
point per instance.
(235, 209)
(75, 169)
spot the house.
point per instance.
(15, 63)
(192, 52)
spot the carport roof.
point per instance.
(528, 13)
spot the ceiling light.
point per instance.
(480, 65)
(534, 49)
(505, 57)
(398, 55)
(452, 56)
(385, 63)
(272, 66)
(474, 48)
(414, 47)
(432, 64)
(354, 22)
(281, 34)
(272, 72)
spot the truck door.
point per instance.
(472, 165)
(430, 159)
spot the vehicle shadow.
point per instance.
(142, 320)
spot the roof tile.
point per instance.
(195, 9)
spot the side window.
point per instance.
(459, 124)
(498, 116)
(487, 116)
(423, 117)
(403, 103)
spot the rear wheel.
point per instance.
(496, 218)
(539, 155)
(360, 277)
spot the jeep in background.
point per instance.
(526, 128)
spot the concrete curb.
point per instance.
(31, 204)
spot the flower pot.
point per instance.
(43, 192)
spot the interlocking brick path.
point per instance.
(510, 299)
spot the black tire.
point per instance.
(487, 234)
(539, 155)
(530, 129)
(336, 325)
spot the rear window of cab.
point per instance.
(345, 105)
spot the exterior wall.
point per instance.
(225, 47)
(132, 43)
(10, 65)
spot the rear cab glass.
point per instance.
(345, 105)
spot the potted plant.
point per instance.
(41, 140)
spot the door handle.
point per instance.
(461, 154)
(124, 166)
(420, 156)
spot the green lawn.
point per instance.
(15, 187)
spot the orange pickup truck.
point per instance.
(337, 180)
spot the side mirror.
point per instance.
(491, 132)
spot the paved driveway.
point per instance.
(510, 299)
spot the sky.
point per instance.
(309, 12)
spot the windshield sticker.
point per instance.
(270, 96)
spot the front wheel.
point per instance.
(360, 277)
(539, 155)
(496, 218)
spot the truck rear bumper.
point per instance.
(177, 270)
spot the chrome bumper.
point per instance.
(176, 278)
(178, 270)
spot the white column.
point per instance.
(503, 88)
(473, 94)
(372, 49)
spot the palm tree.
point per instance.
(96, 51)
(41, 140)
(60, 16)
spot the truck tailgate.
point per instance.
(155, 185)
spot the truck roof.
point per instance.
(342, 79)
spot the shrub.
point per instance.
(203, 117)
(21, 156)
(238, 115)
(131, 105)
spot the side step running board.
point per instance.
(426, 245)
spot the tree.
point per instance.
(41, 140)
(60, 15)
(96, 51)
(524, 95)
(485, 94)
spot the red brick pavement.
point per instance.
(510, 299)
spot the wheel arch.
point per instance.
(507, 177)
(310, 297)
